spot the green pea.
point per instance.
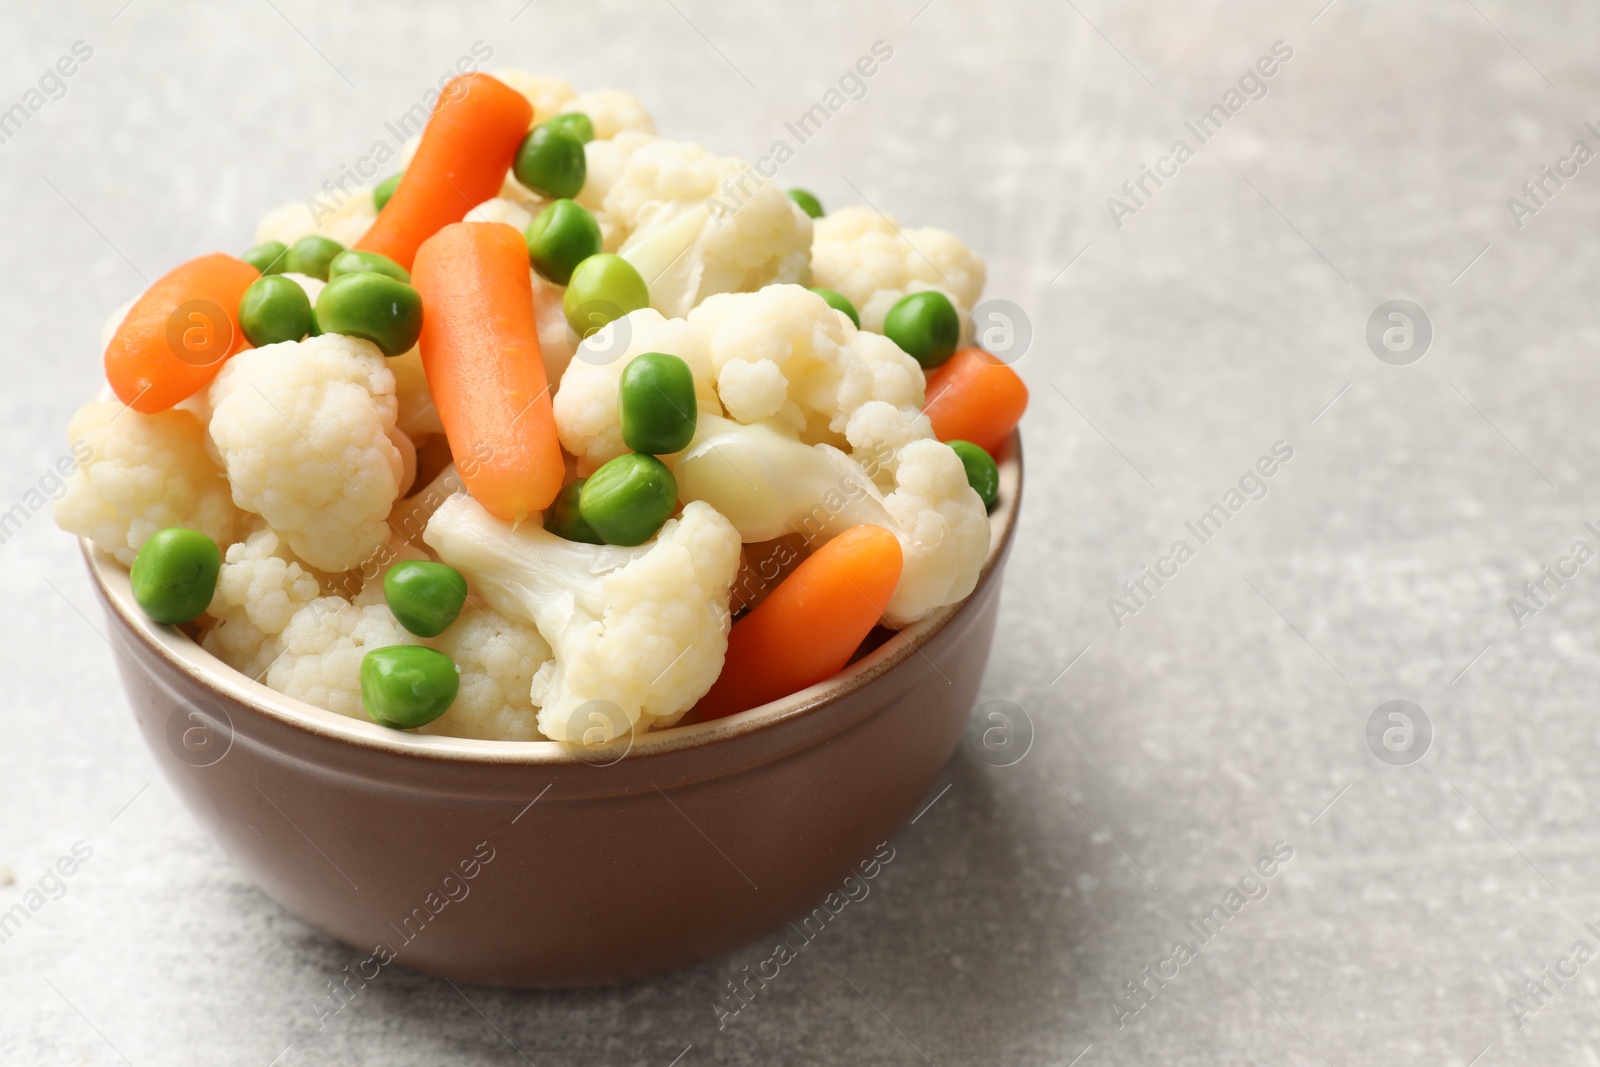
(381, 309)
(838, 303)
(311, 255)
(808, 203)
(266, 257)
(982, 473)
(385, 189)
(575, 123)
(560, 237)
(656, 404)
(550, 161)
(175, 575)
(926, 325)
(603, 287)
(628, 499)
(406, 686)
(563, 518)
(351, 261)
(274, 309)
(424, 597)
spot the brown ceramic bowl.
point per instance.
(535, 864)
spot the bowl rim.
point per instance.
(185, 655)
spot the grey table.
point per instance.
(1426, 867)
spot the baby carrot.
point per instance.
(811, 624)
(480, 351)
(466, 150)
(176, 336)
(975, 397)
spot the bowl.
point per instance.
(540, 864)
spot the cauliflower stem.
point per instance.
(769, 484)
(642, 630)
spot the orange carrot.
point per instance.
(480, 351)
(466, 149)
(176, 336)
(811, 624)
(975, 397)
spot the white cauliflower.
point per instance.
(141, 473)
(259, 590)
(322, 647)
(306, 434)
(497, 658)
(643, 630)
(784, 352)
(585, 406)
(878, 432)
(612, 111)
(698, 224)
(866, 258)
(943, 529)
(604, 161)
(343, 217)
(780, 352)
(769, 484)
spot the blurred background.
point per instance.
(1157, 747)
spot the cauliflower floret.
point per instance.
(141, 473)
(783, 351)
(604, 161)
(305, 431)
(547, 95)
(322, 647)
(862, 255)
(643, 630)
(612, 111)
(698, 224)
(497, 658)
(259, 590)
(317, 658)
(878, 432)
(586, 404)
(943, 529)
(344, 218)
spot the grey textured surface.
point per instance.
(1227, 714)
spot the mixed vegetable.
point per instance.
(540, 439)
